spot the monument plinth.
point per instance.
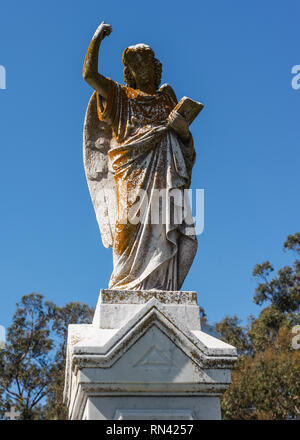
(145, 357)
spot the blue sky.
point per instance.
(236, 57)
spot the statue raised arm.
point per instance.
(90, 67)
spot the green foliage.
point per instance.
(231, 332)
(293, 242)
(32, 362)
(265, 380)
(61, 317)
(283, 291)
(266, 385)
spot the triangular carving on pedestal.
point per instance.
(153, 358)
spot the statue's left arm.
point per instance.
(177, 123)
(180, 126)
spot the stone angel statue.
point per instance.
(134, 148)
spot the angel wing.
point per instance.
(166, 88)
(97, 141)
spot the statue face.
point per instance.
(142, 68)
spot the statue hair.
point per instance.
(128, 77)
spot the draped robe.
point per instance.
(147, 156)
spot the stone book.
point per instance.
(188, 108)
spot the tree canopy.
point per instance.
(32, 362)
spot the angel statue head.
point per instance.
(141, 69)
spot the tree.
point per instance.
(32, 362)
(267, 384)
(231, 332)
(283, 290)
(265, 380)
(72, 313)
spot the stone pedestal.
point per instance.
(145, 357)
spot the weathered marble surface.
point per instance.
(113, 296)
(155, 361)
(133, 149)
(115, 307)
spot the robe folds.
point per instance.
(153, 245)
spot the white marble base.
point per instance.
(145, 357)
